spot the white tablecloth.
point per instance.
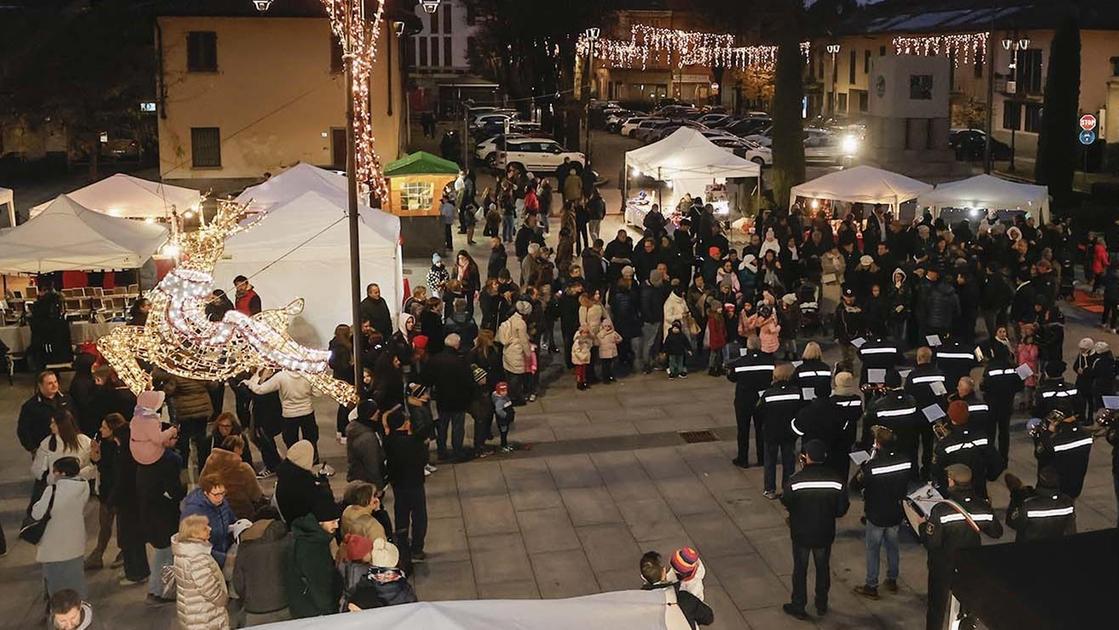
(17, 338)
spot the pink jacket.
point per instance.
(768, 331)
(1027, 353)
(147, 438)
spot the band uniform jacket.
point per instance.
(880, 354)
(778, 405)
(884, 481)
(1000, 384)
(814, 497)
(898, 412)
(947, 530)
(919, 385)
(814, 374)
(1040, 514)
(978, 412)
(751, 373)
(828, 420)
(972, 448)
(1068, 450)
(1054, 394)
(956, 360)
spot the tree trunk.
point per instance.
(788, 128)
(1058, 144)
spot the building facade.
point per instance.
(438, 59)
(839, 83)
(242, 93)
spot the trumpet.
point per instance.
(874, 388)
(941, 429)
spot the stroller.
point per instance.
(808, 296)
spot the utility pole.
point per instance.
(990, 52)
(352, 205)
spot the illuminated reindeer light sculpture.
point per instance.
(179, 338)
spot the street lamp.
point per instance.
(398, 28)
(429, 6)
(591, 34)
(262, 5)
(833, 50)
(1014, 42)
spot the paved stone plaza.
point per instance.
(607, 477)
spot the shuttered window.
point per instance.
(205, 147)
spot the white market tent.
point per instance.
(989, 193)
(300, 249)
(293, 182)
(8, 198)
(66, 236)
(689, 161)
(632, 610)
(862, 184)
(130, 197)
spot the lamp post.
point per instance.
(1013, 42)
(592, 34)
(429, 6)
(833, 50)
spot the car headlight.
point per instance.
(849, 145)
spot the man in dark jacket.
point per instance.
(406, 454)
(1000, 384)
(34, 422)
(159, 490)
(297, 487)
(1041, 513)
(884, 480)
(942, 306)
(814, 497)
(777, 406)
(594, 267)
(969, 446)
(452, 382)
(751, 373)
(655, 576)
(364, 456)
(260, 558)
(375, 309)
(499, 259)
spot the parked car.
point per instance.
(492, 117)
(763, 138)
(970, 144)
(670, 128)
(615, 118)
(748, 126)
(487, 149)
(535, 154)
(643, 129)
(712, 119)
(628, 127)
(822, 145)
(121, 149)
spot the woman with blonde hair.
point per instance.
(813, 373)
(201, 594)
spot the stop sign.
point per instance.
(1087, 122)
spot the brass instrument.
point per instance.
(941, 428)
(878, 389)
(1106, 417)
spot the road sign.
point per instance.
(1087, 122)
(1087, 137)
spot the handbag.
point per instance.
(33, 529)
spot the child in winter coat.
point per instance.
(608, 340)
(677, 347)
(788, 319)
(505, 411)
(1027, 353)
(581, 355)
(715, 338)
(689, 571)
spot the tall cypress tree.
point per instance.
(1058, 145)
(788, 127)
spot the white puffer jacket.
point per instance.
(200, 591)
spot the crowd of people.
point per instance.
(177, 472)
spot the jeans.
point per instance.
(593, 227)
(788, 462)
(508, 228)
(482, 412)
(822, 558)
(456, 421)
(651, 333)
(640, 352)
(160, 558)
(718, 358)
(581, 237)
(410, 515)
(305, 424)
(875, 536)
(676, 365)
(67, 574)
(106, 514)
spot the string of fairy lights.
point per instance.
(179, 338)
(965, 48)
(358, 36)
(664, 46)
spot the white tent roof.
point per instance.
(300, 248)
(68, 236)
(632, 610)
(126, 196)
(990, 193)
(293, 182)
(861, 184)
(686, 154)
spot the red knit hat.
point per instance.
(357, 547)
(419, 342)
(685, 562)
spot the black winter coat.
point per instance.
(296, 490)
(159, 491)
(815, 497)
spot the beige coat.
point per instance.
(241, 487)
(830, 292)
(675, 309)
(512, 334)
(358, 520)
(200, 591)
(591, 315)
(608, 340)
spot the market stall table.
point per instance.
(17, 338)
